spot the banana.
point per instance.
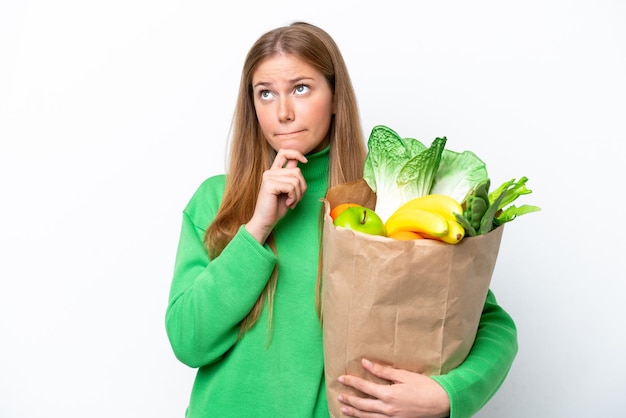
(417, 220)
(440, 203)
(455, 233)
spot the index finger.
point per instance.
(363, 385)
(288, 158)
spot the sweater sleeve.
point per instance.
(476, 380)
(209, 298)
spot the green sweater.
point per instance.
(284, 376)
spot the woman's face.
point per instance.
(293, 103)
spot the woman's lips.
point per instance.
(289, 134)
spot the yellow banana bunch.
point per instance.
(432, 216)
(417, 220)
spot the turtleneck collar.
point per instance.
(315, 172)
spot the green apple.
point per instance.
(361, 219)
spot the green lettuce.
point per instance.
(458, 173)
(400, 169)
(387, 154)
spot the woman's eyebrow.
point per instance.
(294, 80)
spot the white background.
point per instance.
(112, 113)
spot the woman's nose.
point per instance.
(286, 111)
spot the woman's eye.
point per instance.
(301, 89)
(265, 94)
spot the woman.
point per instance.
(242, 301)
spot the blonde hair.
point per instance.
(250, 153)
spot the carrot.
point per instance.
(405, 235)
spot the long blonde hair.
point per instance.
(250, 153)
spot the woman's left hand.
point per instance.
(409, 395)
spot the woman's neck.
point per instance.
(315, 171)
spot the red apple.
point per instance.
(361, 219)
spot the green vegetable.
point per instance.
(418, 174)
(517, 188)
(512, 212)
(483, 211)
(486, 223)
(458, 173)
(387, 154)
(400, 169)
(513, 190)
(476, 204)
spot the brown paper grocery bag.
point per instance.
(413, 305)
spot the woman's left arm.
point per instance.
(477, 379)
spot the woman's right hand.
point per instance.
(281, 189)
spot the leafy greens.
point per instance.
(399, 169)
